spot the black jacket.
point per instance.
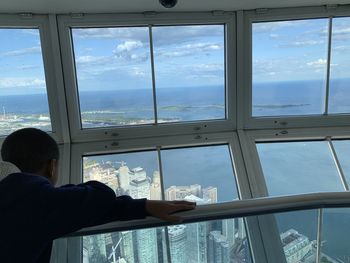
(33, 213)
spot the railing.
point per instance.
(234, 209)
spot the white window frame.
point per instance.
(122, 146)
(267, 223)
(65, 22)
(51, 68)
(283, 122)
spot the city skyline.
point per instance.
(182, 238)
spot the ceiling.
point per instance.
(123, 6)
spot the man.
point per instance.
(34, 212)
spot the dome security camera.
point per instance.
(168, 3)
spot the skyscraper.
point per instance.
(127, 246)
(140, 188)
(156, 191)
(228, 230)
(146, 239)
(210, 193)
(124, 177)
(178, 243)
(218, 248)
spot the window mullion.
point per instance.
(153, 74)
(326, 105)
(319, 235)
(166, 234)
(337, 164)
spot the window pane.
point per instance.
(339, 95)
(143, 246)
(200, 174)
(190, 72)
(335, 240)
(211, 241)
(135, 174)
(114, 76)
(298, 233)
(289, 67)
(23, 96)
(342, 149)
(204, 242)
(298, 167)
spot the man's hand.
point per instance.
(165, 209)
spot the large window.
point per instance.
(207, 107)
(291, 61)
(199, 174)
(299, 167)
(23, 96)
(150, 74)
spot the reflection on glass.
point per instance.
(135, 174)
(339, 92)
(200, 174)
(190, 72)
(298, 167)
(204, 242)
(298, 232)
(23, 96)
(114, 76)
(342, 148)
(289, 66)
(335, 237)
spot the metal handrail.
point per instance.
(234, 209)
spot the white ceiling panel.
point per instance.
(116, 6)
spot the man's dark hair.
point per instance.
(29, 149)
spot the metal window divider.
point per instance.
(166, 234)
(319, 235)
(337, 163)
(153, 74)
(326, 105)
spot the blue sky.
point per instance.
(185, 56)
(297, 50)
(119, 58)
(21, 63)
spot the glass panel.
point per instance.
(200, 174)
(298, 232)
(335, 237)
(342, 149)
(339, 95)
(23, 95)
(114, 76)
(135, 174)
(298, 167)
(289, 67)
(143, 246)
(190, 72)
(210, 241)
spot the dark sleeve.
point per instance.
(72, 207)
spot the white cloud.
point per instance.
(128, 46)
(319, 63)
(138, 72)
(304, 43)
(92, 60)
(22, 82)
(189, 49)
(24, 51)
(265, 27)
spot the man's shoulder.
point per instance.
(23, 179)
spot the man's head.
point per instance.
(32, 151)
